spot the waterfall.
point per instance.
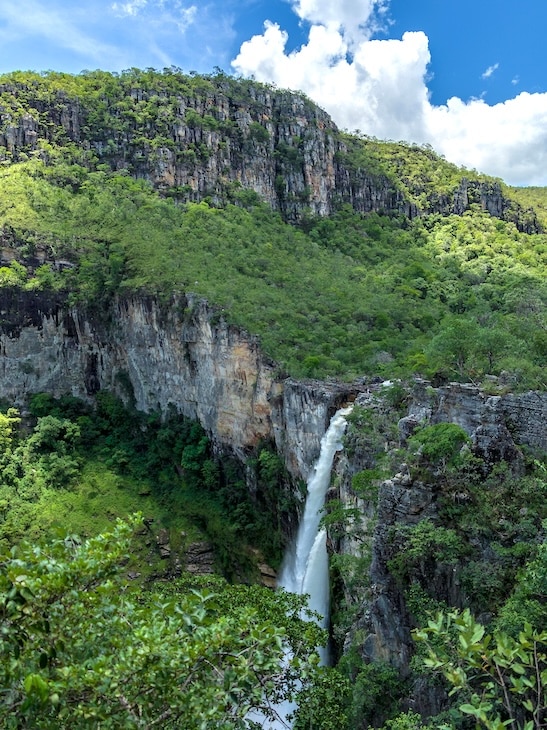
(305, 568)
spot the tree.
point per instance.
(503, 678)
(451, 351)
(80, 649)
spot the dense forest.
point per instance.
(160, 184)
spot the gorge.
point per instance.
(218, 251)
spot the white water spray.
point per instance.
(306, 565)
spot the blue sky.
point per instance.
(467, 77)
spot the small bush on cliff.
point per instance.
(419, 549)
(439, 444)
(503, 680)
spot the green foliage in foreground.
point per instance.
(503, 678)
(80, 649)
(455, 297)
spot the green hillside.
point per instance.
(161, 184)
(442, 295)
(343, 296)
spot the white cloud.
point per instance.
(508, 140)
(380, 88)
(490, 70)
(357, 18)
(185, 17)
(131, 8)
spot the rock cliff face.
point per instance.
(500, 428)
(179, 356)
(221, 140)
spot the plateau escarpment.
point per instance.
(180, 356)
(420, 533)
(214, 137)
(438, 484)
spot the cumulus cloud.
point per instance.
(508, 140)
(358, 19)
(380, 88)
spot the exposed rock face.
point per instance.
(223, 140)
(199, 558)
(498, 427)
(214, 374)
(300, 419)
(181, 356)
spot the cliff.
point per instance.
(180, 356)
(214, 137)
(481, 513)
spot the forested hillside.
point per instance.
(325, 255)
(456, 291)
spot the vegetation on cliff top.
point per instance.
(453, 297)
(444, 296)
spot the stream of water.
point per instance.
(305, 567)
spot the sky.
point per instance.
(467, 77)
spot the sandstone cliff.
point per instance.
(215, 137)
(501, 429)
(183, 356)
(180, 356)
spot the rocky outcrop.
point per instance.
(222, 137)
(181, 356)
(500, 428)
(300, 418)
(199, 558)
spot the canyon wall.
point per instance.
(220, 139)
(178, 356)
(181, 355)
(507, 428)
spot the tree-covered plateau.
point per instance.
(444, 296)
(449, 297)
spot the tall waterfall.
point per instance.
(305, 567)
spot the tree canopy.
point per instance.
(81, 648)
